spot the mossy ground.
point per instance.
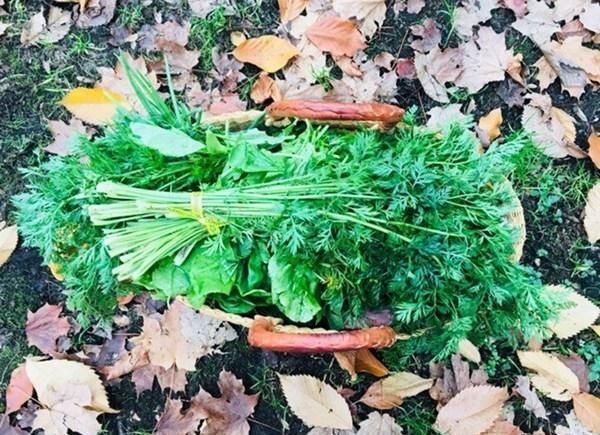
(32, 81)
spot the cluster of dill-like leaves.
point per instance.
(411, 221)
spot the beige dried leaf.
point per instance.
(546, 74)
(473, 410)
(270, 53)
(336, 35)
(360, 361)
(553, 378)
(9, 238)
(573, 320)
(291, 9)
(587, 410)
(390, 392)
(369, 13)
(538, 24)
(315, 402)
(591, 221)
(379, 424)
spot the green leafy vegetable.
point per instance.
(168, 142)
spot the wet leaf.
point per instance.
(336, 35)
(315, 402)
(96, 106)
(473, 410)
(571, 321)
(552, 378)
(19, 389)
(587, 410)
(360, 361)
(267, 52)
(9, 238)
(591, 221)
(390, 392)
(290, 9)
(45, 326)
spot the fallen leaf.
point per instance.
(405, 68)
(503, 427)
(532, 401)
(226, 104)
(229, 413)
(414, 6)
(315, 403)
(552, 378)
(519, 7)
(9, 238)
(578, 366)
(290, 9)
(587, 410)
(594, 150)
(203, 8)
(65, 136)
(4, 27)
(470, 14)
(437, 68)
(472, 411)
(596, 329)
(390, 392)
(267, 52)
(565, 11)
(545, 73)
(348, 66)
(237, 38)
(369, 13)
(38, 30)
(6, 428)
(511, 93)
(429, 36)
(173, 421)
(571, 321)
(96, 106)
(574, 28)
(360, 361)
(590, 17)
(539, 23)
(591, 220)
(336, 35)
(45, 326)
(379, 424)
(488, 127)
(575, 426)
(18, 391)
(173, 378)
(264, 88)
(441, 117)
(97, 13)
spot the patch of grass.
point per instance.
(80, 44)
(323, 77)
(265, 382)
(205, 35)
(448, 13)
(131, 15)
(415, 417)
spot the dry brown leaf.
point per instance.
(488, 127)
(264, 88)
(360, 361)
(9, 239)
(573, 320)
(429, 36)
(348, 66)
(173, 421)
(503, 427)
(591, 220)
(369, 13)
(472, 411)
(552, 378)
(18, 391)
(390, 392)
(267, 52)
(471, 13)
(594, 150)
(519, 7)
(316, 403)
(587, 410)
(336, 35)
(532, 401)
(65, 136)
(96, 106)
(38, 30)
(578, 366)
(290, 9)
(45, 326)
(436, 68)
(379, 424)
(97, 13)
(539, 23)
(545, 73)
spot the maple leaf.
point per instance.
(38, 30)
(472, 13)
(173, 421)
(338, 36)
(436, 68)
(538, 24)
(227, 414)
(9, 239)
(270, 53)
(65, 135)
(370, 13)
(173, 378)
(19, 389)
(170, 38)
(591, 221)
(45, 326)
(97, 13)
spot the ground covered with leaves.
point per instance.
(167, 368)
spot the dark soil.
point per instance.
(33, 79)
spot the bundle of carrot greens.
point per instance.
(318, 224)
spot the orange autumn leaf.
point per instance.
(360, 361)
(290, 9)
(488, 126)
(264, 88)
(95, 106)
(267, 52)
(336, 35)
(594, 151)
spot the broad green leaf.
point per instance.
(168, 142)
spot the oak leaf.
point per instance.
(360, 361)
(19, 389)
(591, 220)
(552, 377)
(315, 402)
(96, 106)
(473, 410)
(580, 315)
(290, 9)
(594, 150)
(65, 135)
(390, 392)
(587, 410)
(267, 52)
(338, 36)
(229, 413)
(369, 13)
(380, 424)
(9, 238)
(45, 326)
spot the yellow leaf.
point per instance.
(290, 9)
(9, 237)
(594, 151)
(553, 378)
(573, 320)
(391, 391)
(95, 106)
(267, 52)
(358, 361)
(55, 271)
(469, 351)
(472, 411)
(315, 402)
(587, 410)
(489, 125)
(591, 221)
